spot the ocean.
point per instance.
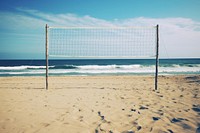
(87, 67)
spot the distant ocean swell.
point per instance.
(25, 70)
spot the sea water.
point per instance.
(86, 67)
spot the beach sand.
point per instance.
(98, 104)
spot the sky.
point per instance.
(22, 23)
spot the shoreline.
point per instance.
(117, 104)
(106, 75)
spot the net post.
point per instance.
(46, 54)
(157, 60)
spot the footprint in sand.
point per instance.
(129, 131)
(104, 126)
(45, 124)
(174, 120)
(80, 118)
(170, 131)
(196, 108)
(102, 117)
(186, 126)
(137, 128)
(10, 119)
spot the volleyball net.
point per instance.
(102, 42)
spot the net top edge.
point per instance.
(105, 27)
(122, 57)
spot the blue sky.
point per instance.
(22, 22)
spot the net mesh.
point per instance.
(102, 41)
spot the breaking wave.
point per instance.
(99, 69)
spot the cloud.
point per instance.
(65, 19)
(179, 37)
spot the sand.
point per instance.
(98, 104)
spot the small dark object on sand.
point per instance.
(197, 109)
(156, 118)
(170, 131)
(139, 127)
(102, 117)
(99, 113)
(142, 107)
(133, 110)
(174, 120)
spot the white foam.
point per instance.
(179, 69)
(21, 67)
(97, 69)
(108, 67)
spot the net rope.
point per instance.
(104, 42)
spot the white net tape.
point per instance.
(103, 42)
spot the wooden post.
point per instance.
(157, 53)
(47, 62)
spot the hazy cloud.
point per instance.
(179, 37)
